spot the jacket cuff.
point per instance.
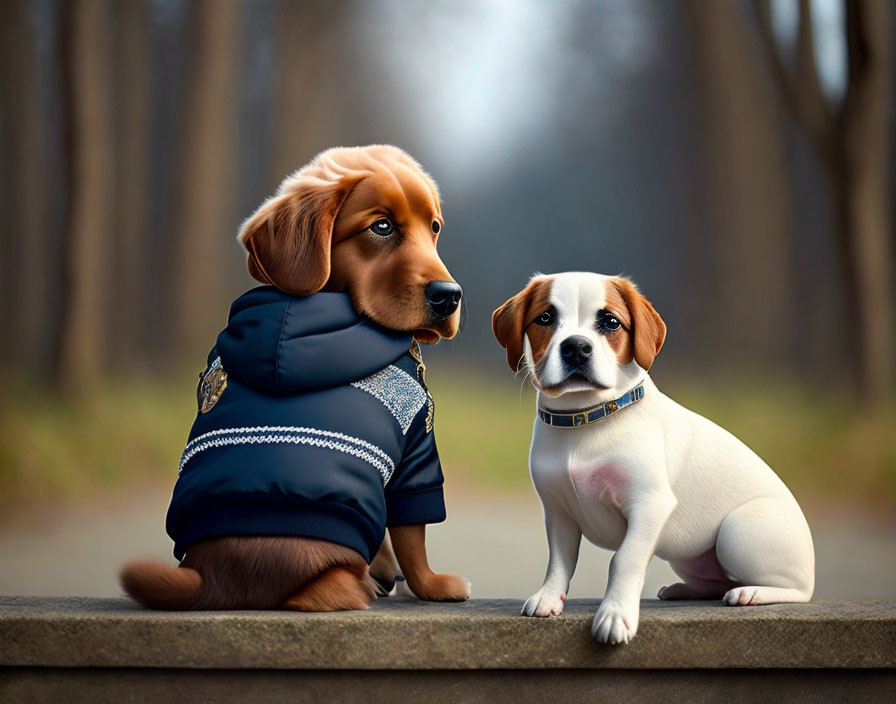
(412, 508)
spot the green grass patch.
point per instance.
(819, 444)
(825, 445)
(120, 433)
(483, 428)
(129, 432)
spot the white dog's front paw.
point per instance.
(614, 623)
(544, 603)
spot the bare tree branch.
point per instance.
(800, 88)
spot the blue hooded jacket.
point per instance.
(313, 422)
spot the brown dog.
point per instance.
(364, 221)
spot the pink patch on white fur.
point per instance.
(705, 567)
(704, 572)
(606, 484)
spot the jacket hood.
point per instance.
(283, 345)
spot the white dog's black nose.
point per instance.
(443, 298)
(576, 350)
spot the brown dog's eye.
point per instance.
(436, 227)
(383, 227)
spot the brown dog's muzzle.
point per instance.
(443, 298)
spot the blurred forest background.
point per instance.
(734, 157)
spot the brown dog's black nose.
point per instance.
(443, 298)
(576, 350)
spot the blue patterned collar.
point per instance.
(586, 416)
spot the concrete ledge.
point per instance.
(405, 634)
(90, 686)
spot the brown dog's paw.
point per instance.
(444, 587)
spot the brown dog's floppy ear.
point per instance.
(510, 320)
(648, 329)
(288, 238)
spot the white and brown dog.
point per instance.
(615, 460)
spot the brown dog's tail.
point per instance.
(157, 585)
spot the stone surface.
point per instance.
(405, 634)
(74, 686)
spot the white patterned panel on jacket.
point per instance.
(396, 390)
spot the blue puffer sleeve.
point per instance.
(414, 493)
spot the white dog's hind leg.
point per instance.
(765, 545)
(754, 596)
(702, 577)
(681, 591)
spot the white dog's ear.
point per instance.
(509, 322)
(288, 239)
(648, 329)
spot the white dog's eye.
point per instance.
(607, 321)
(383, 227)
(546, 318)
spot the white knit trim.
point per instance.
(398, 391)
(290, 429)
(294, 435)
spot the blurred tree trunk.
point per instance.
(853, 142)
(133, 167)
(207, 177)
(86, 58)
(26, 305)
(301, 99)
(864, 179)
(750, 250)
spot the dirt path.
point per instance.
(497, 542)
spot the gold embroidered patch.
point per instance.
(212, 383)
(430, 412)
(417, 354)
